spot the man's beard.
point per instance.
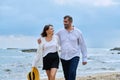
(66, 26)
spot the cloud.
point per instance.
(6, 10)
(103, 3)
(18, 41)
(13, 14)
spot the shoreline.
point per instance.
(97, 76)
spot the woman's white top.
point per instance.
(45, 47)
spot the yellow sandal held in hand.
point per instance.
(34, 74)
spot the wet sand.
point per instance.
(98, 76)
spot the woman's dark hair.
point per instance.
(46, 27)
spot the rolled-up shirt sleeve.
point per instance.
(83, 48)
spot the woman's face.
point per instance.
(50, 31)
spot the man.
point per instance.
(72, 44)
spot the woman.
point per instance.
(49, 50)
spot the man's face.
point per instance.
(67, 23)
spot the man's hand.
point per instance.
(84, 63)
(39, 41)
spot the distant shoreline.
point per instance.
(29, 50)
(12, 48)
(116, 48)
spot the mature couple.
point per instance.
(70, 40)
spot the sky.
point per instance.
(21, 21)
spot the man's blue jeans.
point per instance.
(70, 67)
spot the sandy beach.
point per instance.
(98, 76)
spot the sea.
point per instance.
(15, 65)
